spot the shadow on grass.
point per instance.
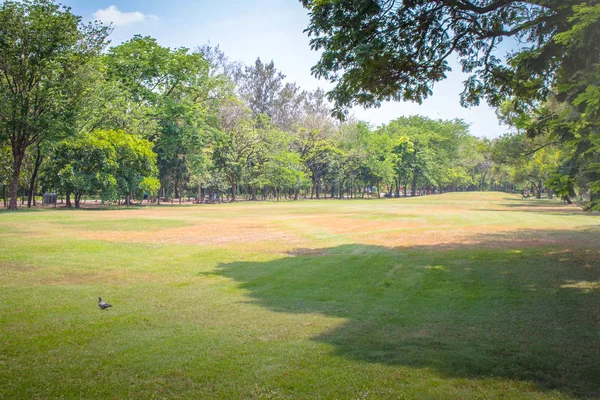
(554, 211)
(507, 307)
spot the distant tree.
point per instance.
(136, 172)
(532, 160)
(425, 153)
(173, 96)
(237, 144)
(83, 165)
(112, 164)
(43, 48)
(260, 85)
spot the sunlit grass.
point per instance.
(454, 296)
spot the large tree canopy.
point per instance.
(44, 49)
(377, 50)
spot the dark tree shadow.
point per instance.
(508, 306)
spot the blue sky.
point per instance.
(271, 30)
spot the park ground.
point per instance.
(462, 295)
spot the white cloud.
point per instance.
(118, 18)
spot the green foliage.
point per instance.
(381, 50)
(172, 93)
(562, 185)
(112, 164)
(197, 122)
(428, 153)
(44, 50)
(136, 163)
(549, 85)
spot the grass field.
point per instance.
(457, 296)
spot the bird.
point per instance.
(103, 305)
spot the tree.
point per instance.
(237, 143)
(171, 96)
(277, 166)
(113, 164)
(136, 165)
(532, 161)
(384, 49)
(313, 133)
(426, 153)
(83, 165)
(43, 49)
(260, 85)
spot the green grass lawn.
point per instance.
(470, 296)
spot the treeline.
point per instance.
(139, 120)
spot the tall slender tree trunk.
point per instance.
(18, 156)
(4, 194)
(36, 167)
(68, 200)
(318, 190)
(413, 187)
(233, 191)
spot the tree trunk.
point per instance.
(318, 191)
(14, 183)
(38, 162)
(68, 200)
(77, 199)
(233, 191)
(4, 194)
(567, 199)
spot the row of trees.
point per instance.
(141, 119)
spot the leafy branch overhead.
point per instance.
(379, 50)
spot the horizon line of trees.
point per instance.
(141, 120)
